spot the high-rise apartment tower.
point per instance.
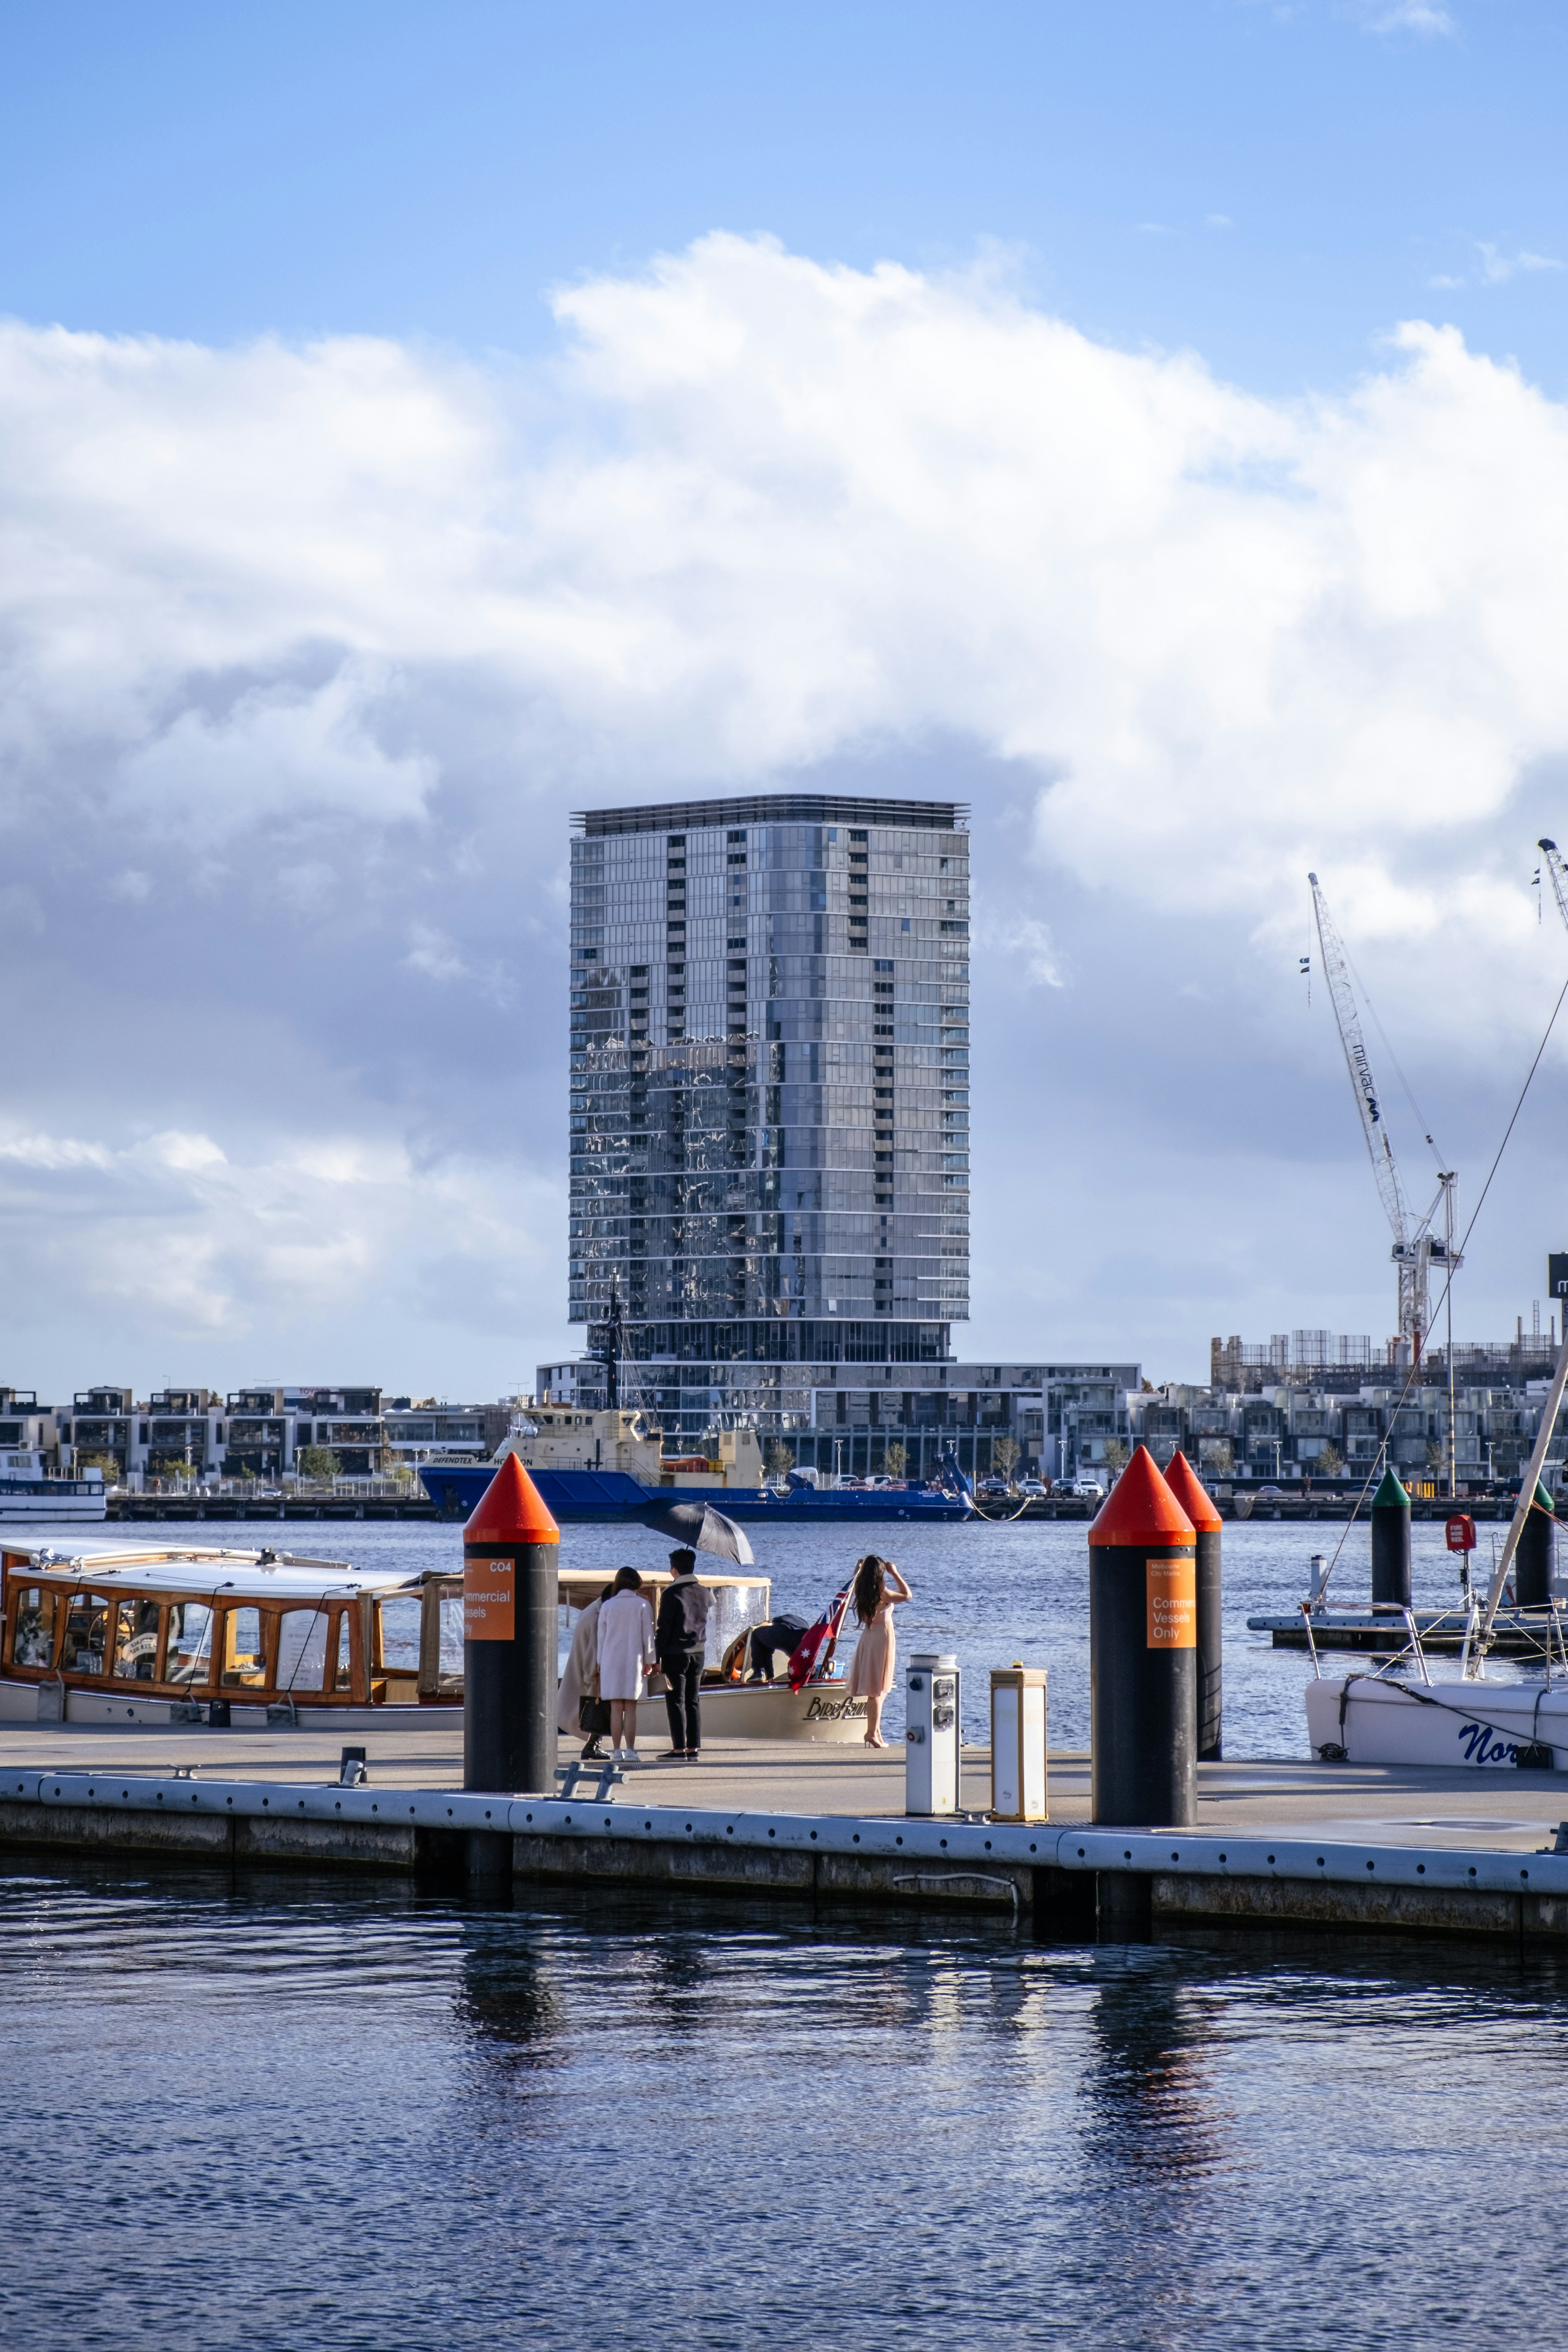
(770, 1093)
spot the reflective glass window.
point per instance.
(81, 1652)
(302, 1649)
(400, 1617)
(33, 1634)
(188, 1659)
(244, 1665)
(136, 1641)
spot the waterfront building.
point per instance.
(770, 1093)
(1295, 1427)
(770, 1135)
(434, 1431)
(25, 1425)
(193, 1433)
(269, 1428)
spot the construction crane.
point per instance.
(1416, 1245)
(1559, 873)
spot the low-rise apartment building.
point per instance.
(860, 1419)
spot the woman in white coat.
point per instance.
(625, 1636)
(581, 1678)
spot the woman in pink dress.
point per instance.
(878, 1589)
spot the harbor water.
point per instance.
(273, 2112)
(286, 2111)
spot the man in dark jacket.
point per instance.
(681, 1641)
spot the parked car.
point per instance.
(1270, 1493)
(1080, 1490)
(994, 1490)
(1033, 1487)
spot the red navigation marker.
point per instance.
(1189, 1491)
(1192, 1495)
(511, 1510)
(510, 1593)
(1141, 1509)
(1142, 1655)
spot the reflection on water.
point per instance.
(277, 2114)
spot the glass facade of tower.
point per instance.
(769, 1092)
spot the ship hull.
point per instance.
(606, 1498)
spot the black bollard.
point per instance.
(1143, 1654)
(510, 1604)
(1532, 1554)
(1189, 1492)
(1391, 1543)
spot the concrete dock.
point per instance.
(1438, 1853)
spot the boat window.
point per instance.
(244, 1662)
(81, 1652)
(399, 1617)
(342, 1670)
(136, 1641)
(451, 1632)
(302, 1649)
(188, 1658)
(33, 1627)
(735, 1608)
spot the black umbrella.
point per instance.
(701, 1527)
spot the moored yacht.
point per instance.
(160, 1636)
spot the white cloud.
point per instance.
(781, 510)
(1028, 941)
(434, 955)
(186, 1241)
(1497, 268)
(1426, 16)
(320, 627)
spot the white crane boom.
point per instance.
(1336, 971)
(1413, 1245)
(1559, 873)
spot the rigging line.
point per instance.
(1399, 1074)
(1448, 1276)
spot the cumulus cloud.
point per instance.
(324, 641)
(168, 1238)
(1497, 268)
(1427, 17)
(774, 510)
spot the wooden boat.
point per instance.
(157, 1635)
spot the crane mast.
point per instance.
(1414, 1244)
(1559, 873)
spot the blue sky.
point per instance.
(1144, 422)
(1274, 185)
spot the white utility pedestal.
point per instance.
(1018, 1783)
(931, 1720)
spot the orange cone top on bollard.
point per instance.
(1141, 1509)
(1193, 1496)
(511, 1510)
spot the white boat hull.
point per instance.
(49, 1509)
(819, 1714)
(1476, 1725)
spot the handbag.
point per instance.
(592, 1716)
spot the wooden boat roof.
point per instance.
(262, 1573)
(205, 1571)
